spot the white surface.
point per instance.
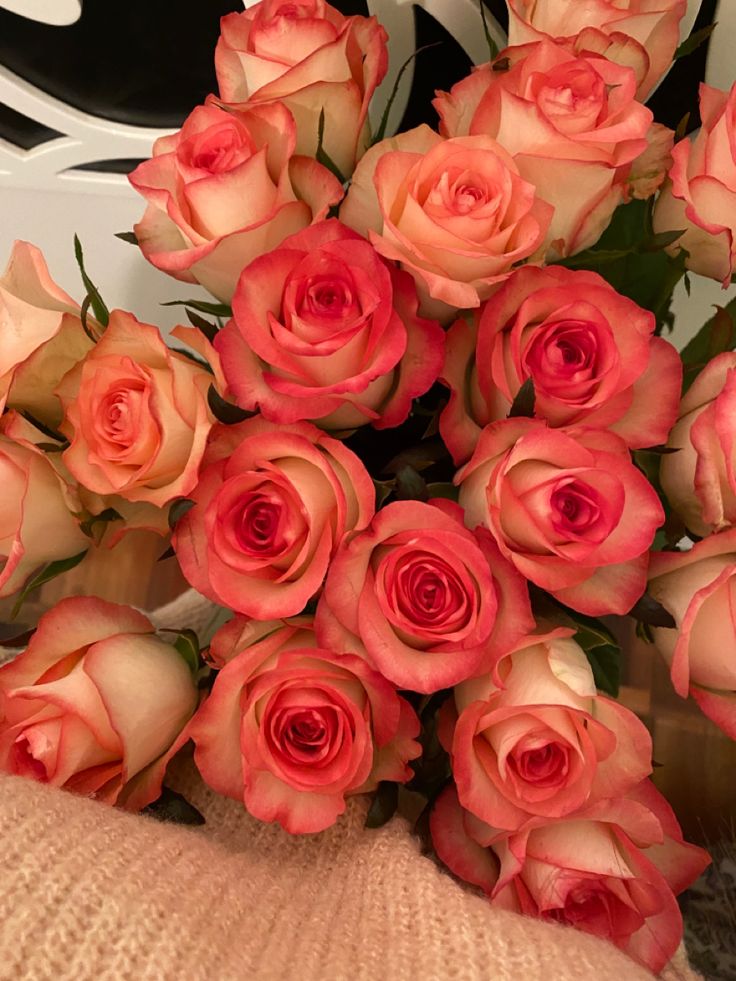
(58, 13)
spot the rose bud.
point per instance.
(96, 704)
(697, 587)
(567, 507)
(224, 189)
(272, 504)
(425, 601)
(325, 329)
(590, 352)
(700, 196)
(292, 729)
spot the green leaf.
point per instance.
(660, 240)
(202, 306)
(650, 611)
(224, 411)
(444, 489)
(524, 402)
(109, 514)
(178, 509)
(694, 41)
(187, 644)
(605, 662)
(168, 554)
(102, 314)
(715, 336)
(410, 485)
(321, 155)
(384, 805)
(384, 490)
(49, 572)
(381, 131)
(492, 46)
(420, 456)
(209, 329)
(174, 808)
(130, 237)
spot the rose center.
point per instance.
(575, 507)
(259, 528)
(429, 593)
(545, 765)
(24, 763)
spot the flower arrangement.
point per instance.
(425, 435)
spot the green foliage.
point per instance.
(49, 572)
(187, 644)
(384, 804)
(382, 126)
(102, 314)
(492, 46)
(694, 41)
(224, 411)
(715, 336)
(178, 509)
(174, 808)
(321, 155)
(202, 306)
(130, 237)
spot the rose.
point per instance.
(225, 189)
(95, 704)
(612, 871)
(325, 329)
(570, 121)
(541, 742)
(455, 213)
(643, 33)
(311, 58)
(698, 588)
(701, 194)
(425, 601)
(590, 352)
(136, 414)
(271, 507)
(649, 171)
(292, 729)
(699, 478)
(568, 508)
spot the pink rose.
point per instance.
(311, 58)
(272, 504)
(325, 329)
(37, 523)
(425, 601)
(701, 194)
(590, 352)
(643, 33)
(96, 704)
(568, 508)
(571, 123)
(456, 213)
(698, 588)
(541, 743)
(292, 729)
(136, 414)
(649, 171)
(225, 189)
(612, 870)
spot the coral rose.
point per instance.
(698, 588)
(590, 352)
(425, 601)
(325, 329)
(271, 507)
(292, 729)
(568, 508)
(701, 194)
(456, 213)
(136, 414)
(224, 189)
(96, 704)
(571, 123)
(311, 58)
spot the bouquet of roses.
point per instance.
(426, 433)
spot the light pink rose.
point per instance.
(570, 122)
(136, 414)
(541, 743)
(700, 196)
(96, 704)
(649, 171)
(292, 729)
(590, 352)
(567, 507)
(698, 588)
(37, 506)
(311, 58)
(456, 213)
(272, 504)
(426, 602)
(325, 329)
(224, 189)
(642, 33)
(612, 870)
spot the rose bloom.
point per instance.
(698, 588)
(136, 414)
(37, 523)
(612, 870)
(641, 33)
(649, 171)
(271, 507)
(701, 194)
(224, 189)
(96, 704)
(425, 601)
(325, 329)
(311, 58)
(292, 729)
(456, 213)
(570, 121)
(541, 742)
(590, 352)
(568, 508)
